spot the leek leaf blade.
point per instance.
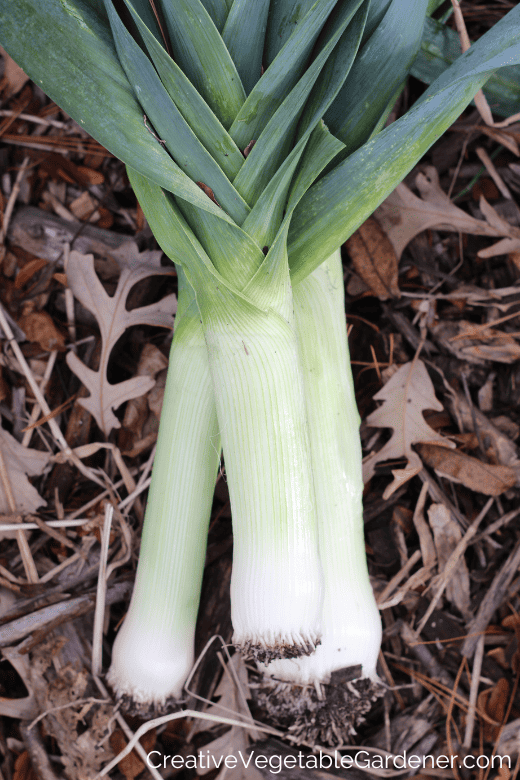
(244, 36)
(202, 55)
(169, 123)
(336, 205)
(194, 109)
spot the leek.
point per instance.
(351, 627)
(245, 229)
(154, 650)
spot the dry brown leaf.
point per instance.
(403, 215)
(494, 702)
(458, 467)
(21, 462)
(405, 396)
(468, 342)
(23, 769)
(374, 259)
(40, 329)
(131, 765)
(114, 318)
(24, 708)
(234, 742)
(14, 75)
(79, 727)
(446, 535)
(151, 362)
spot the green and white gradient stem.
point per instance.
(351, 627)
(276, 586)
(154, 650)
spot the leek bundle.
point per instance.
(251, 131)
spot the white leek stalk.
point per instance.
(154, 650)
(276, 586)
(350, 620)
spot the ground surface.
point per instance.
(442, 510)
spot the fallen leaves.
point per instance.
(114, 318)
(21, 462)
(476, 344)
(486, 478)
(39, 328)
(403, 215)
(233, 691)
(405, 396)
(374, 259)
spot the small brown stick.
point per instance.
(145, 118)
(37, 120)
(99, 614)
(397, 578)
(492, 600)
(39, 758)
(125, 728)
(451, 564)
(61, 538)
(36, 408)
(25, 551)
(12, 200)
(490, 168)
(473, 692)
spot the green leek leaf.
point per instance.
(67, 49)
(280, 77)
(244, 36)
(167, 120)
(379, 70)
(275, 140)
(218, 11)
(202, 54)
(284, 16)
(440, 47)
(336, 205)
(194, 109)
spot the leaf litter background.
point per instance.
(87, 305)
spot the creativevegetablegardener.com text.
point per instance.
(362, 760)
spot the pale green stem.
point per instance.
(350, 620)
(276, 586)
(153, 652)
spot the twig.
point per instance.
(129, 735)
(36, 408)
(53, 425)
(397, 578)
(451, 564)
(65, 523)
(490, 168)
(492, 600)
(99, 614)
(473, 693)
(151, 724)
(37, 120)
(39, 758)
(12, 199)
(25, 551)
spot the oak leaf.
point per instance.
(405, 396)
(374, 259)
(21, 462)
(486, 478)
(233, 691)
(403, 215)
(114, 318)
